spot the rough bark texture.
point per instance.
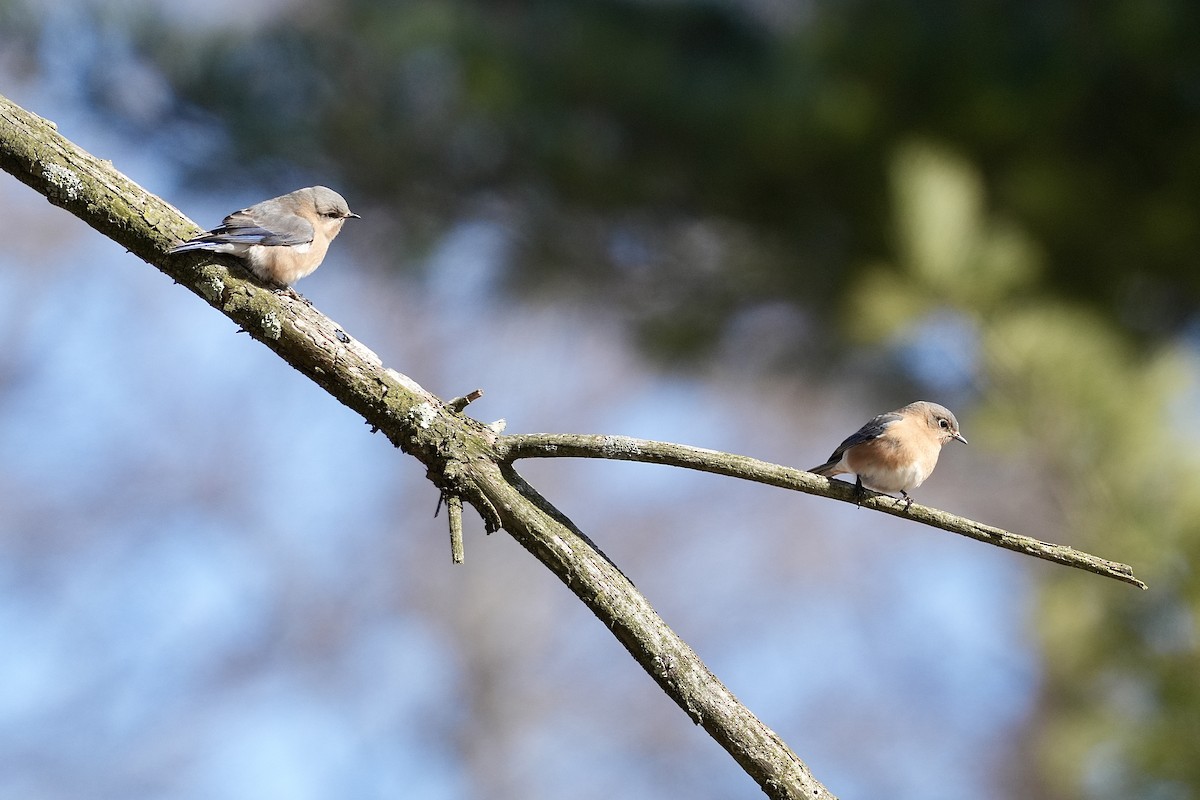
(461, 455)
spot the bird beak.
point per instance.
(959, 436)
(352, 214)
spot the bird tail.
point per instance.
(828, 469)
(193, 244)
(213, 243)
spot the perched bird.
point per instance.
(895, 451)
(281, 240)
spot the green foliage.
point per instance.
(586, 115)
(1121, 705)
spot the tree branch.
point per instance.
(459, 453)
(625, 448)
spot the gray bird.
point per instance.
(282, 239)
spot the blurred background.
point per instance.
(748, 225)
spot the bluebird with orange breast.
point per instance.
(282, 239)
(895, 451)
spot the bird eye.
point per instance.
(944, 423)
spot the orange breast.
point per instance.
(893, 462)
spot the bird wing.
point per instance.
(872, 430)
(256, 225)
(252, 226)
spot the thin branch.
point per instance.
(624, 448)
(454, 514)
(459, 403)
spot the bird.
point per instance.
(896, 451)
(281, 240)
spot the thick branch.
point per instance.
(457, 451)
(624, 448)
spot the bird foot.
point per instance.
(288, 291)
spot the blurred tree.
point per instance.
(1120, 711)
(614, 135)
(696, 163)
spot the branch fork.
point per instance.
(467, 460)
